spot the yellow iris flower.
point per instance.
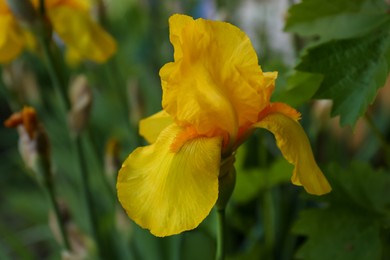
(214, 95)
(71, 20)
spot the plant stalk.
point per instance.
(43, 169)
(221, 235)
(60, 84)
(57, 212)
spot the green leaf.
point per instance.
(353, 70)
(301, 86)
(338, 234)
(336, 19)
(350, 227)
(360, 187)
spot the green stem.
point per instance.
(45, 177)
(56, 76)
(269, 216)
(42, 9)
(85, 185)
(221, 235)
(57, 212)
(60, 84)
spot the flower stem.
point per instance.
(56, 76)
(221, 235)
(85, 185)
(59, 80)
(43, 169)
(57, 212)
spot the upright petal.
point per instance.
(11, 38)
(215, 82)
(151, 127)
(81, 34)
(295, 147)
(170, 192)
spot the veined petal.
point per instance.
(295, 147)
(151, 127)
(170, 192)
(215, 82)
(78, 31)
(11, 38)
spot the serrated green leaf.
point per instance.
(301, 86)
(353, 70)
(350, 227)
(336, 19)
(338, 234)
(360, 187)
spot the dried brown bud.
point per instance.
(81, 101)
(33, 141)
(21, 82)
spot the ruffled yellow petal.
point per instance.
(11, 39)
(295, 147)
(215, 83)
(170, 192)
(81, 34)
(151, 127)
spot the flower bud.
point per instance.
(34, 144)
(21, 82)
(80, 96)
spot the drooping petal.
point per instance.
(295, 147)
(81, 34)
(277, 107)
(215, 82)
(151, 127)
(170, 192)
(11, 38)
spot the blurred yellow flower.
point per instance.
(71, 20)
(214, 95)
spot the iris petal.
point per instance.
(295, 147)
(151, 127)
(215, 83)
(170, 192)
(82, 35)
